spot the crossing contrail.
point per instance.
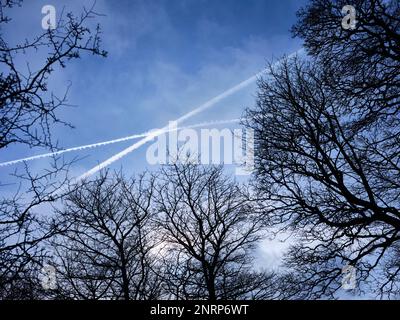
(104, 143)
(150, 136)
(210, 103)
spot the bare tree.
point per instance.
(23, 229)
(107, 250)
(327, 148)
(366, 57)
(209, 227)
(329, 175)
(27, 112)
(361, 63)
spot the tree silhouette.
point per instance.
(209, 226)
(327, 148)
(107, 250)
(27, 113)
(27, 110)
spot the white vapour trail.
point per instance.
(104, 143)
(232, 90)
(186, 116)
(150, 136)
(79, 148)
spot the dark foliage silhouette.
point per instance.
(27, 113)
(327, 149)
(209, 226)
(107, 250)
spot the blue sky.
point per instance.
(165, 58)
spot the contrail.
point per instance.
(150, 136)
(56, 153)
(186, 116)
(104, 143)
